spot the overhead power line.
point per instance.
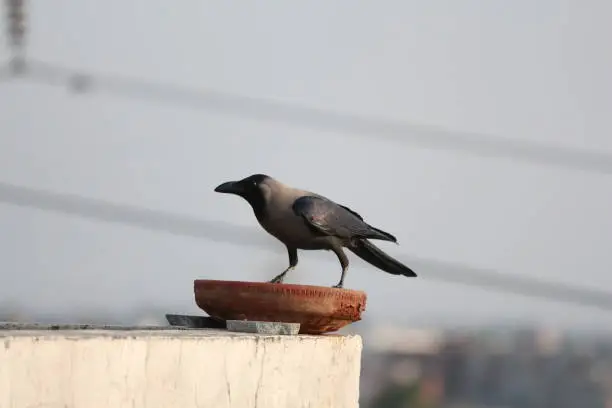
(224, 232)
(359, 125)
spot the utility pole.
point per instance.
(16, 31)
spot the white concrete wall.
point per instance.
(171, 368)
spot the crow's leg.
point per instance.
(344, 262)
(293, 260)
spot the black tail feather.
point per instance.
(380, 234)
(375, 256)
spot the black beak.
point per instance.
(231, 187)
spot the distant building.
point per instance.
(490, 368)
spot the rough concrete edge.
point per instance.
(359, 340)
(137, 333)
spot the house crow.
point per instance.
(304, 220)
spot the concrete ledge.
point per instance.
(176, 368)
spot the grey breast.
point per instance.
(281, 222)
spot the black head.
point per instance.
(248, 188)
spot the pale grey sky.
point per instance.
(532, 71)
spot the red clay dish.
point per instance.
(318, 309)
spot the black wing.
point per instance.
(330, 218)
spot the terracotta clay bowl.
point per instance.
(318, 309)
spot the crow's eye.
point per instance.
(254, 183)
